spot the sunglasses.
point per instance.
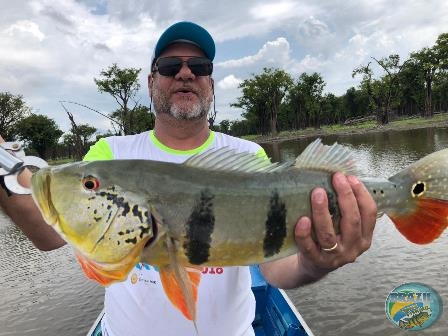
(170, 66)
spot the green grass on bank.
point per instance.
(60, 161)
(439, 120)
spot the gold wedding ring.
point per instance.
(331, 248)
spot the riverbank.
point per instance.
(439, 120)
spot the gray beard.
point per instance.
(181, 111)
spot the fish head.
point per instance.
(106, 223)
(423, 317)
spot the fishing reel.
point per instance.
(12, 161)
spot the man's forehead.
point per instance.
(182, 49)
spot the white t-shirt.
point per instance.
(139, 306)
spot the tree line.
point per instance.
(274, 101)
(271, 101)
(43, 137)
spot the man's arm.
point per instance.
(25, 214)
(358, 218)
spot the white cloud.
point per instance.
(276, 51)
(26, 27)
(273, 10)
(229, 82)
(51, 50)
(312, 27)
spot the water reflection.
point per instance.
(379, 154)
(42, 293)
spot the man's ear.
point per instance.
(212, 82)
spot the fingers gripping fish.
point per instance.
(219, 208)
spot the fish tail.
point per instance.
(427, 206)
(426, 223)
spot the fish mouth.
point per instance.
(41, 193)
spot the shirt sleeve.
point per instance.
(261, 153)
(99, 151)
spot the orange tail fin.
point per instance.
(183, 294)
(426, 223)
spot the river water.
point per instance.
(351, 300)
(45, 293)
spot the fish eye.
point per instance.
(90, 183)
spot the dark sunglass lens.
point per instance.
(169, 66)
(200, 66)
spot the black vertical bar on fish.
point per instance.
(199, 228)
(275, 226)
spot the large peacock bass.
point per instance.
(219, 208)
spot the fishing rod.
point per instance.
(96, 111)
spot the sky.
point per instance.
(51, 50)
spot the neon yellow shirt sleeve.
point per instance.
(99, 151)
(261, 153)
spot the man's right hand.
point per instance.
(25, 214)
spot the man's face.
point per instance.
(183, 96)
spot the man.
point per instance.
(181, 87)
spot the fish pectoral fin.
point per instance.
(101, 273)
(181, 286)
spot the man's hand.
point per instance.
(25, 214)
(358, 216)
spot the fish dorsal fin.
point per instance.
(229, 160)
(318, 156)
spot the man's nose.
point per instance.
(185, 71)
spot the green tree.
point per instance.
(262, 97)
(142, 119)
(391, 65)
(412, 88)
(440, 91)
(312, 87)
(69, 144)
(427, 61)
(295, 101)
(431, 61)
(305, 99)
(86, 132)
(331, 109)
(12, 110)
(224, 126)
(355, 104)
(366, 85)
(122, 84)
(242, 127)
(83, 135)
(40, 134)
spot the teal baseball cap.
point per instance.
(188, 32)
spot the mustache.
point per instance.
(189, 88)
